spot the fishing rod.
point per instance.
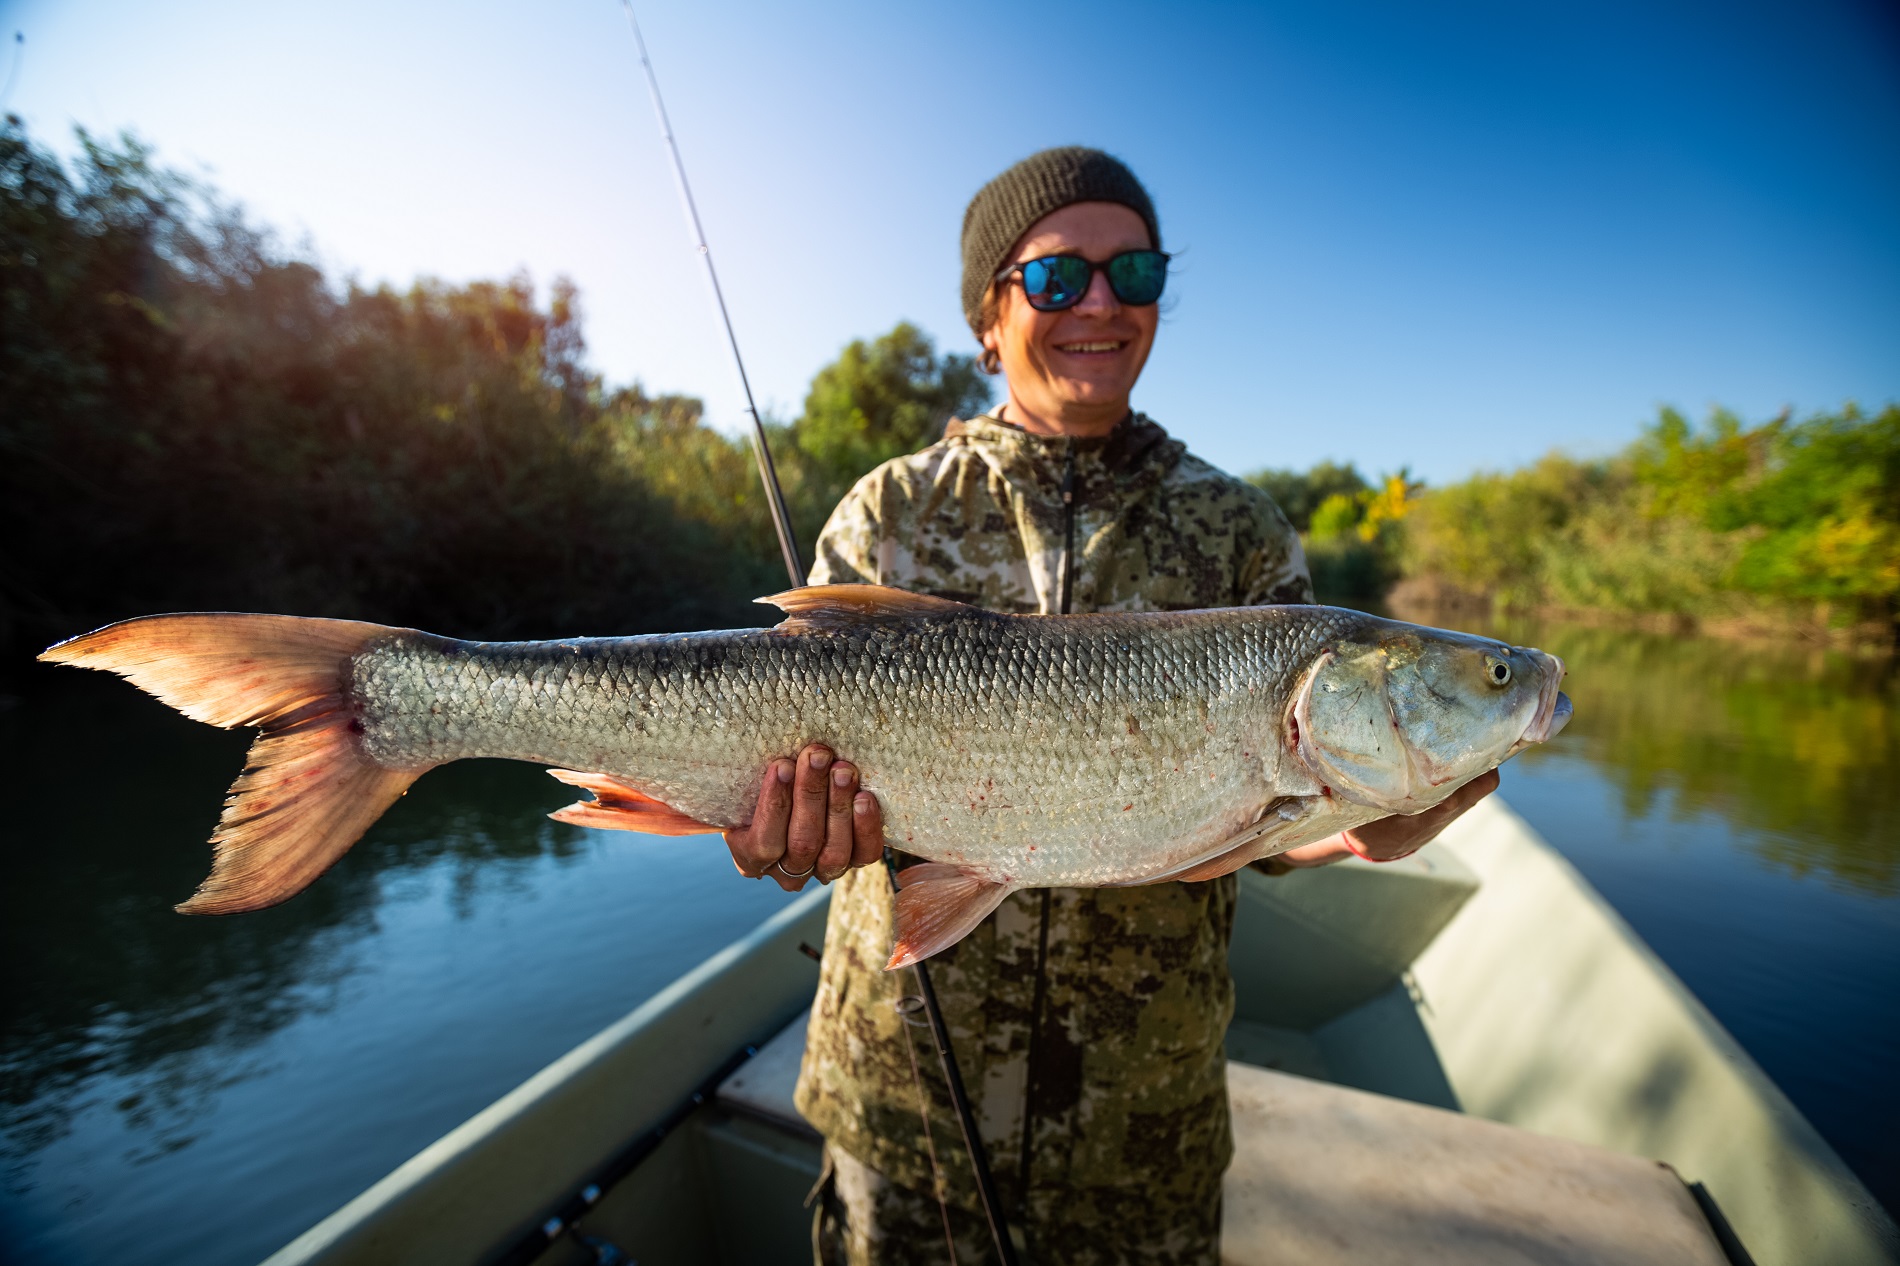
(788, 546)
(768, 473)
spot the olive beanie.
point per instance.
(1003, 210)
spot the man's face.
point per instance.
(1083, 360)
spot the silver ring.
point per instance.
(779, 866)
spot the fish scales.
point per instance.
(1080, 751)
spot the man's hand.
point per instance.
(811, 818)
(1398, 836)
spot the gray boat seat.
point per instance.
(1325, 1175)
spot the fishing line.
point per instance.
(788, 546)
(907, 1008)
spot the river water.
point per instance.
(201, 1090)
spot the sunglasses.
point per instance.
(1055, 282)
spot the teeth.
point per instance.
(1091, 347)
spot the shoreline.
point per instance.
(1430, 599)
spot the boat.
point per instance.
(1466, 1056)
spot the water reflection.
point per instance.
(1797, 748)
(111, 798)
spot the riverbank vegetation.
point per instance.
(1789, 524)
(196, 419)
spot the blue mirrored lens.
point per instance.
(1138, 277)
(1055, 281)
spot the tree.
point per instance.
(883, 399)
(1300, 493)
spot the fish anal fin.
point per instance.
(937, 906)
(619, 807)
(841, 606)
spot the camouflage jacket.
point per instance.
(1088, 1023)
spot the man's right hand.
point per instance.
(812, 819)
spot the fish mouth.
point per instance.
(1553, 709)
(1559, 717)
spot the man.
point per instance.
(1087, 1022)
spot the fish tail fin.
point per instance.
(308, 790)
(938, 904)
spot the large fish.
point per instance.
(1010, 751)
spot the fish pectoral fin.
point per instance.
(618, 807)
(1285, 823)
(937, 906)
(1226, 864)
(841, 606)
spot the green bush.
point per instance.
(1351, 530)
(1714, 521)
(1300, 493)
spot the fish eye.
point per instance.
(1496, 671)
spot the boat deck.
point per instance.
(1327, 1175)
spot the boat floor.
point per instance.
(1324, 1174)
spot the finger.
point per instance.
(867, 829)
(805, 835)
(1430, 825)
(1478, 788)
(835, 858)
(761, 842)
(1388, 839)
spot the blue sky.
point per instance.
(1451, 236)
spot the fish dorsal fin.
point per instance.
(841, 606)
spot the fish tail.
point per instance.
(308, 790)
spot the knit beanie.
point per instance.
(1003, 210)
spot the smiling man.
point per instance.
(1088, 1023)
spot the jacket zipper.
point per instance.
(1067, 591)
(1065, 599)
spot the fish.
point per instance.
(1006, 751)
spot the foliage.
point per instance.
(882, 399)
(195, 421)
(1300, 493)
(1711, 521)
(1817, 503)
(1350, 528)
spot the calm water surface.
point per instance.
(201, 1090)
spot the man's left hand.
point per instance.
(1398, 836)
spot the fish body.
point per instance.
(1008, 751)
(1054, 752)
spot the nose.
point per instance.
(1099, 299)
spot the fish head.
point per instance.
(1397, 717)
